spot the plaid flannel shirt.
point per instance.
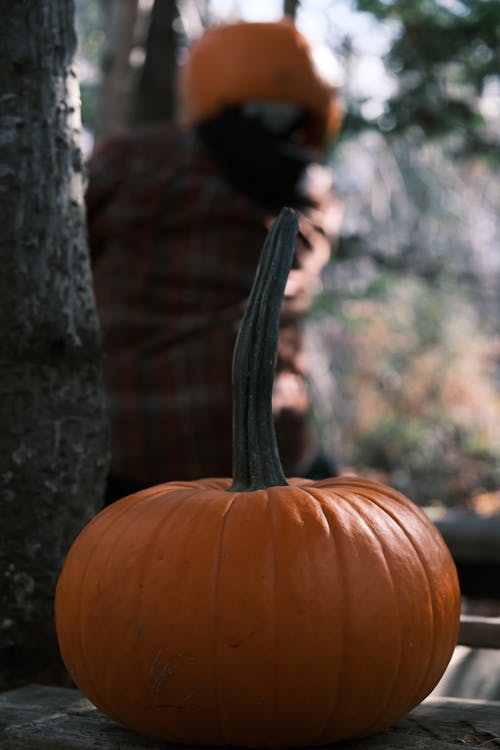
(174, 251)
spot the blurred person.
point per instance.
(177, 217)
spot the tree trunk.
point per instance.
(156, 92)
(53, 433)
(290, 7)
(115, 89)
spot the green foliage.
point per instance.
(443, 56)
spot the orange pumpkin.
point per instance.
(261, 61)
(258, 613)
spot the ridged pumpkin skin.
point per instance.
(258, 612)
(283, 617)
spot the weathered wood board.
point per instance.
(48, 718)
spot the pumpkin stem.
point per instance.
(256, 460)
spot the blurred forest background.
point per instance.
(405, 332)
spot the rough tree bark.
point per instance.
(53, 435)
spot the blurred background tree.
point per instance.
(445, 56)
(405, 333)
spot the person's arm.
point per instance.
(319, 227)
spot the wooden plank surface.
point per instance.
(471, 537)
(474, 542)
(45, 718)
(479, 632)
